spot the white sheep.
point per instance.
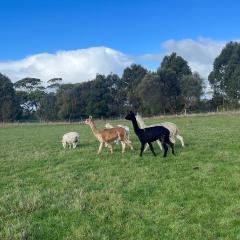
(70, 139)
(108, 125)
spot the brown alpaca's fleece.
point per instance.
(111, 134)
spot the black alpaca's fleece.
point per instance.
(151, 134)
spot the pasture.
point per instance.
(47, 192)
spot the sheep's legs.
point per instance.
(151, 148)
(142, 148)
(100, 148)
(181, 139)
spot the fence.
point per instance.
(80, 121)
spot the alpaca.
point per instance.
(108, 125)
(151, 134)
(174, 132)
(106, 136)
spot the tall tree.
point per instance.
(116, 89)
(65, 101)
(171, 71)
(54, 84)
(48, 107)
(191, 90)
(176, 64)
(151, 92)
(225, 77)
(9, 107)
(100, 98)
(131, 77)
(30, 92)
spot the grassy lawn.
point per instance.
(47, 192)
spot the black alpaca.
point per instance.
(151, 134)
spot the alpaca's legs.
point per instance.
(142, 148)
(172, 147)
(159, 144)
(164, 140)
(64, 145)
(181, 139)
(110, 147)
(129, 143)
(146, 148)
(165, 147)
(100, 148)
(151, 148)
(123, 146)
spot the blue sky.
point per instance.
(134, 28)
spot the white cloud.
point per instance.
(73, 66)
(83, 64)
(199, 53)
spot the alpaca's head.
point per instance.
(130, 116)
(89, 120)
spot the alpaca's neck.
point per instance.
(94, 129)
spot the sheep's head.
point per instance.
(130, 116)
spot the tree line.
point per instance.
(172, 89)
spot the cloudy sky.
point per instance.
(75, 40)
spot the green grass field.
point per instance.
(47, 192)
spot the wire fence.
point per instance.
(81, 121)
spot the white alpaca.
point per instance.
(70, 139)
(174, 132)
(108, 125)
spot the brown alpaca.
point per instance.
(106, 136)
